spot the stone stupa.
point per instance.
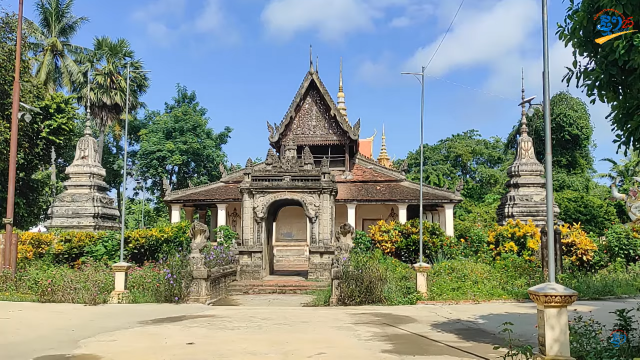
(84, 205)
(526, 199)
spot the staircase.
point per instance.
(276, 285)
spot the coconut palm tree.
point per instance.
(51, 35)
(107, 63)
(623, 172)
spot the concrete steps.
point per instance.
(277, 286)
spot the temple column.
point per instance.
(428, 216)
(202, 215)
(175, 213)
(351, 214)
(188, 212)
(213, 223)
(222, 214)
(448, 219)
(441, 217)
(402, 213)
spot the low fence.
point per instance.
(210, 285)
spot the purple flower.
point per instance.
(176, 299)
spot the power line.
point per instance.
(445, 34)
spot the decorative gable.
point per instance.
(313, 118)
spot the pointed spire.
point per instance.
(341, 102)
(523, 121)
(310, 58)
(317, 62)
(87, 125)
(383, 158)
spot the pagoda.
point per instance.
(526, 199)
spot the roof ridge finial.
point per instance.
(523, 120)
(342, 106)
(310, 58)
(383, 158)
(317, 62)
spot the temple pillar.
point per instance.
(402, 213)
(448, 219)
(222, 214)
(188, 212)
(202, 215)
(435, 217)
(175, 213)
(441, 217)
(428, 216)
(213, 223)
(351, 214)
(247, 220)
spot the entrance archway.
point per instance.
(287, 239)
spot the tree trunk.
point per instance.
(100, 146)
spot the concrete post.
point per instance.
(202, 216)
(222, 214)
(448, 219)
(402, 213)
(120, 294)
(175, 213)
(421, 278)
(351, 214)
(188, 212)
(553, 320)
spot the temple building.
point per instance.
(317, 175)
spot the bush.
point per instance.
(576, 245)
(73, 247)
(217, 256)
(362, 242)
(370, 278)
(622, 242)
(615, 280)
(228, 235)
(514, 238)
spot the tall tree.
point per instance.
(609, 72)
(53, 32)
(108, 64)
(54, 127)
(479, 162)
(571, 135)
(177, 145)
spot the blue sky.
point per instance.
(247, 58)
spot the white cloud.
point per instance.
(166, 20)
(332, 19)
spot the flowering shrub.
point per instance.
(514, 238)
(76, 247)
(217, 256)
(576, 245)
(622, 242)
(386, 236)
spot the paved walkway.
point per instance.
(264, 327)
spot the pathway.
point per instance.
(267, 327)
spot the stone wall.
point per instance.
(213, 286)
(250, 263)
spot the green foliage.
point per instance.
(72, 247)
(608, 72)
(370, 278)
(467, 156)
(228, 236)
(154, 216)
(362, 242)
(571, 132)
(468, 279)
(216, 256)
(593, 213)
(615, 280)
(515, 348)
(622, 242)
(179, 146)
(591, 340)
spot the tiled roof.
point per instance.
(210, 193)
(392, 191)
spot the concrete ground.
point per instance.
(266, 327)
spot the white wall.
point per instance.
(373, 212)
(341, 215)
(291, 224)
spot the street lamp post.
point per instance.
(421, 80)
(13, 152)
(124, 167)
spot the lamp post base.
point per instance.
(421, 278)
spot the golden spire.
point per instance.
(341, 103)
(383, 158)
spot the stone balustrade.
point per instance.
(210, 285)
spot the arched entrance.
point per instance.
(286, 245)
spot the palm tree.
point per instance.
(54, 54)
(108, 65)
(623, 172)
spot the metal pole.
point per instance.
(124, 168)
(143, 204)
(13, 152)
(421, 165)
(547, 144)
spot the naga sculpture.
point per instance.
(631, 201)
(199, 233)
